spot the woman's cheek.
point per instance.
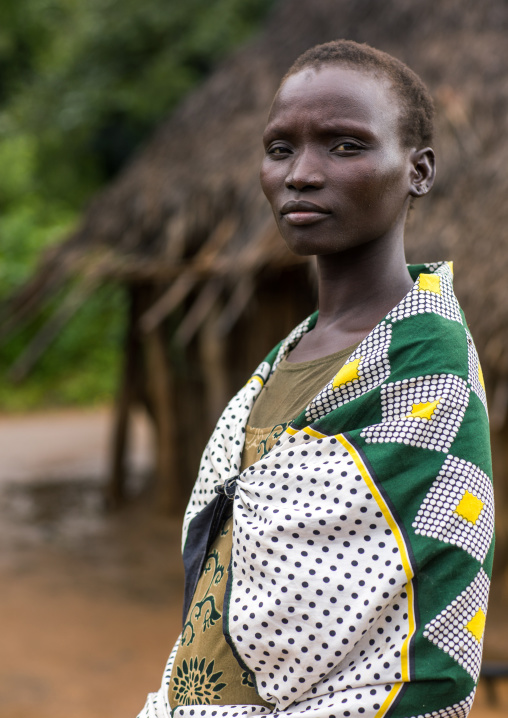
(266, 179)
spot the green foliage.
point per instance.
(82, 83)
(81, 367)
(101, 73)
(27, 222)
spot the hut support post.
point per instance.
(213, 363)
(160, 390)
(115, 489)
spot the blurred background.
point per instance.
(139, 271)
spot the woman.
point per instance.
(338, 542)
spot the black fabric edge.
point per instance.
(397, 700)
(200, 535)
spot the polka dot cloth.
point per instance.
(448, 631)
(475, 371)
(429, 427)
(321, 606)
(236, 711)
(372, 370)
(430, 301)
(291, 341)
(222, 456)
(439, 519)
(347, 615)
(375, 660)
(459, 710)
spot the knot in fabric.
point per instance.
(228, 488)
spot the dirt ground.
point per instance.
(90, 602)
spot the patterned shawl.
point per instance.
(363, 541)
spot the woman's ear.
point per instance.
(423, 171)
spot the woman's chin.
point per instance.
(306, 248)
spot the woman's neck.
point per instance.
(355, 293)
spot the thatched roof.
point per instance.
(188, 211)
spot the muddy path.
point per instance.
(90, 602)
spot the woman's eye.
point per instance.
(278, 150)
(347, 147)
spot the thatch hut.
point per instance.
(185, 229)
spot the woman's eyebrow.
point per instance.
(345, 126)
(332, 128)
(275, 130)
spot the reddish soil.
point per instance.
(90, 602)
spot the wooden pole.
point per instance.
(115, 488)
(213, 365)
(168, 490)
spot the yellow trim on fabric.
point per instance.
(389, 700)
(450, 264)
(314, 433)
(400, 543)
(412, 629)
(257, 378)
(291, 431)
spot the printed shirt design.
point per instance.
(205, 671)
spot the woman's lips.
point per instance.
(304, 217)
(298, 213)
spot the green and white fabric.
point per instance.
(363, 541)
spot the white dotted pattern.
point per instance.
(474, 371)
(441, 268)
(236, 711)
(448, 632)
(427, 302)
(438, 431)
(345, 617)
(290, 342)
(437, 517)
(376, 658)
(317, 707)
(349, 703)
(222, 456)
(459, 710)
(373, 369)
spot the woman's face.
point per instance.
(335, 171)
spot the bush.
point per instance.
(82, 83)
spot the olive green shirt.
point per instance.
(290, 388)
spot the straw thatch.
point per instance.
(186, 228)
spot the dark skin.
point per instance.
(339, 179)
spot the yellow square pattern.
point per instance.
(469, 507)
(424, 410)
(349, 372)
(430, 283)
(476, 625)
(480, 377)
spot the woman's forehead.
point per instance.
(337, 90)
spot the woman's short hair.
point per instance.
(416, 105)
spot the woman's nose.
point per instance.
(305, 172)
